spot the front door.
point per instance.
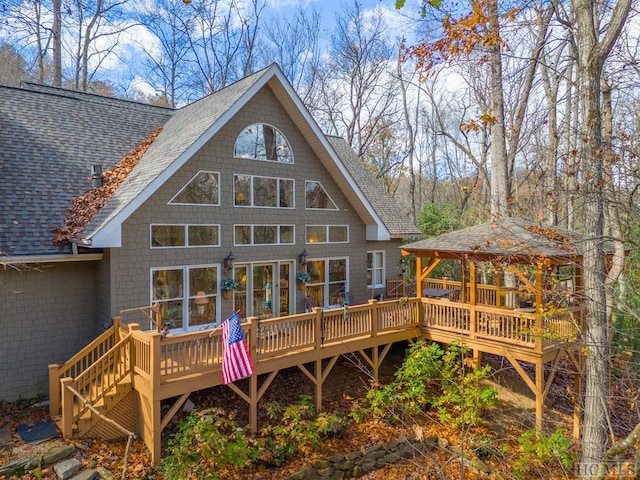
(264, 289)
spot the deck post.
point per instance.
(373, 312)
(319, 382)
(539, 393)
(253, 339)
(253, 404)
(67, 408)
(318, 328)
(117, 324)
(54, 390)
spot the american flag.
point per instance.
(236, 362)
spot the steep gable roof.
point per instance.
(49, 140)
(192, 126)
(398, 224)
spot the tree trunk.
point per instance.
(56, 34)
(591, 57)
(500, 191)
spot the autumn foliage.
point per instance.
(460, 37)
(85, 206)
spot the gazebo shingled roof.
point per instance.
(514, 239)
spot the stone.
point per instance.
(391, 458)
(324, 472)
(357, 471)
(81, 446)
(6, 438)
(303, 473)
(476, 464)
(67, 468)
(87, 475)
(375, 454)
(372, 448)
(188, 406)
(105, 474)
(353, 455)
(443, 443)
(335, 458)
(56, 454)
(338, 475)
(92, 464)
(345, 466)
(320, 463)
(13, 467)
(368, 465)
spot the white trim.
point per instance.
(327, 228)
(186, 234)
(325, 191)
(26, 259)
(292, 162)
(252, 227)
(278, 179)
(109, 234)
(374, 268)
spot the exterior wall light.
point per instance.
(302, 258)
(228, 262)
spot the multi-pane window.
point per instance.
(328, 284)
(327, 234)
(187, 296)
(316, 197)
(254, 191)
(375, 269)
(202, 189)
(263, 142)
(171, 236)
(263, 234)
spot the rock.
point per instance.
(320, 463)
(303, 473)
(105, 474)
(67, 468)
(56, 454)
(476, 464)
(81, 446)
(336, 458)
(86, 475)
(338, 475)
(324, 472)
(443, 443)
(188, 406)
(357, 471)
(92, 464)
(13, 467)
(391, 458)
(353, 455)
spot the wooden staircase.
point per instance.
(92, 393)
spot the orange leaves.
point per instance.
(468, 34)
(475, 126)
(87, 205)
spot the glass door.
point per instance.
(263, 289)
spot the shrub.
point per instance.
(207, 446)
(539, 451)
(463, 399)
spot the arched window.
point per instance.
(263, 142)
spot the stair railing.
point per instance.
(95, 382)
(79, 362)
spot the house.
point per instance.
(241, 185)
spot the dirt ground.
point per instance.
(348, 381)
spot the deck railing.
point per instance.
(525, 329)
(164, 359)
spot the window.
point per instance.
(317, 197)
(263, 142)
(263, 234)
(327, 234)
(171, 236)
(203, 189)
(375, 269)
(187, 296)
(328, 284)
(252, 191)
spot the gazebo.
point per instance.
(515, 293)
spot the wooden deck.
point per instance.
(142, 368)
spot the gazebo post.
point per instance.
(463, 279)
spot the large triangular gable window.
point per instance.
(203, 189)
(317, 196)
(263, 142)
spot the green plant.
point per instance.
(228, 284)
(414, 386)
(295, 428)
(538, 451)
(463, 399)
(207, 446)
(303, 277)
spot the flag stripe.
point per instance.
(236, 361)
